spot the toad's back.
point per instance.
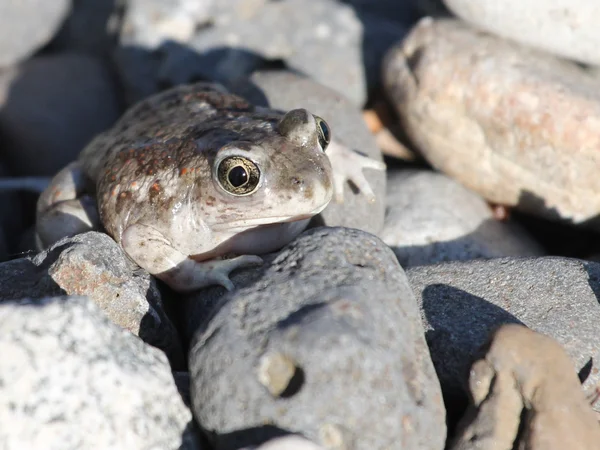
(158, 132)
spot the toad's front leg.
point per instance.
(65, 208)
(348, 165)
(152, 251)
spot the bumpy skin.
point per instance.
(154, 178)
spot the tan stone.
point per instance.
(518, 126)
(526, 395)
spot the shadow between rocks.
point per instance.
(560, 236)
(21, 278)
(458, 324)
(593, 272)
(146, 72)
(246, 438)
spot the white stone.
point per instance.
(568, 28)
(70, 379)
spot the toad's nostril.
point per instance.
(297, 181)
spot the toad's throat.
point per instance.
(261, 239)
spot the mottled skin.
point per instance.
(152, 183)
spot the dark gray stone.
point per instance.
(462, 302)
(70, 379)
(285, 90)
(92, 27)
(327, 342)
(431, 218)
(53, 107)
(27, 25)
(92, 264)
(397, 10)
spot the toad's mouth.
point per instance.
(265, 222)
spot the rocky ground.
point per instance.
(458, 311)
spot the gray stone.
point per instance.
(148, 23)
(285, 90)
(332, 42)
(321, 38)
(462, 302)
(153, 54)
(69, 379)
(516, 125)
(431, 218)
(92, 264)
(138, 72)
(568, 28)
(53, 107)
(327, 343)
(27, 25)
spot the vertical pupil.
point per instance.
(237, 176)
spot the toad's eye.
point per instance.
(238, 175)
(323, 132)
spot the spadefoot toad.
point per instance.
(193, 175)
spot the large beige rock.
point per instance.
(519, 127)
(565, 27)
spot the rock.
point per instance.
(517, 126)
(326, 343)
(462, 302)
(321, 38)
(148, 23)
(70, 379)
(568, 28)
(329, 41)
(27, 25)
(431, 218)
(526, 395)
(92, 27)
(138, 71)
(153, 54)
(54, 106)
(285, 90)
(92, 264)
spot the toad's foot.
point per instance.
(348, 166)
(190, 275)
(153, 252)
(65, 209)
